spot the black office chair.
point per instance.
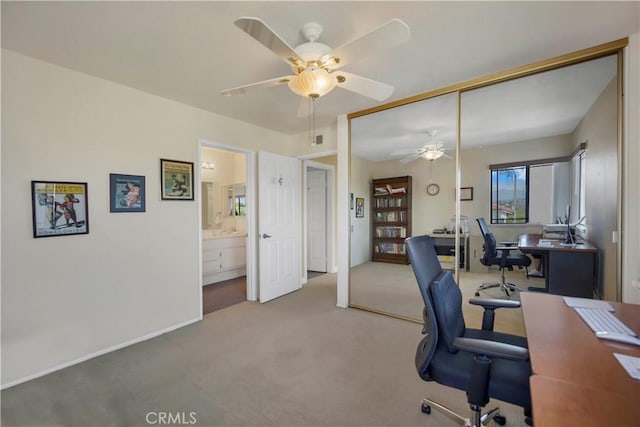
(502, 257)
(484, 363)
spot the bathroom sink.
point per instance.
(215, 233)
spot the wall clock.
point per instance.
(433, 189)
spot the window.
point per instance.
(510, 195)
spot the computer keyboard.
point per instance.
(603, 320)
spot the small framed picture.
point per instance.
(176, 180)
(466, 193)
(59, 208)
(127, 193)
(359, 207)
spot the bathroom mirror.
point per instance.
(210, 203)
(234, 196)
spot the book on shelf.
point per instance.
(387, 190)
(399, 190)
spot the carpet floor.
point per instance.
(295, 361)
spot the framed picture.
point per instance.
(466, 193)
(176, 180)
(59, 208)
(359, 207)
(126, 193)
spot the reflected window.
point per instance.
(582, 177)
(240, 206)
(510, 195)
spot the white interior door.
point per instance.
(317, 220)
(279, 225)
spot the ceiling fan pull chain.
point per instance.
(313, 132)
(309, 123)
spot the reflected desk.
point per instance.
(573, 370)
(569, 269)
(445, 246)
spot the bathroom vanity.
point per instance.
(223, 256)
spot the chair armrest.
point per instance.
(494, 303)
(491, 348)
(506, 248)
(490, 305)
(509, 243)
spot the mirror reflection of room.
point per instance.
(548, 140)
(539, 142)
(387, 147)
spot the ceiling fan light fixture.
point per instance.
(312, 82)
(431, 154)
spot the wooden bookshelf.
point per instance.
(391, 219)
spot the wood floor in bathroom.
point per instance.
(230, 292)
(224, 294)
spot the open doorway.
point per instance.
(319, 216)
(226, 219)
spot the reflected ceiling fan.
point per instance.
(315, 64)
(432, 151)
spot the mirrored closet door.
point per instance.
(559, 118)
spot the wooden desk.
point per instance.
(569, 269)
(579, 405)
(567, 354)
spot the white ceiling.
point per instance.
(537, 106)
(190, 51)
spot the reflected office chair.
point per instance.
(502, 257)
(484, 363)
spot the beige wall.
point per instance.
(631, 174)
(599, 130)
(134, 275)
(360, 186)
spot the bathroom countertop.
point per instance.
(211, 234)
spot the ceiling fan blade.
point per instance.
(387, 35)
(258, 85)
(404, 152)
(409, 158)
(260, 31)
(363, 86)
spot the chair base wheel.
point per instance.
(426, 409)
(477, 294)
(500, 420)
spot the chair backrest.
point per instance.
(490, 245)
(447, 300)
(442, 300)
(425, 264)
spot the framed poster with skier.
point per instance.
(59, 208)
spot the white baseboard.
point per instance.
(99, 353)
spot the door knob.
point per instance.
(265, 236)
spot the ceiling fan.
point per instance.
(428, 152)
(315, 64)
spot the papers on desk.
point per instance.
(587, 303)
(630, 364)
(545, 243)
